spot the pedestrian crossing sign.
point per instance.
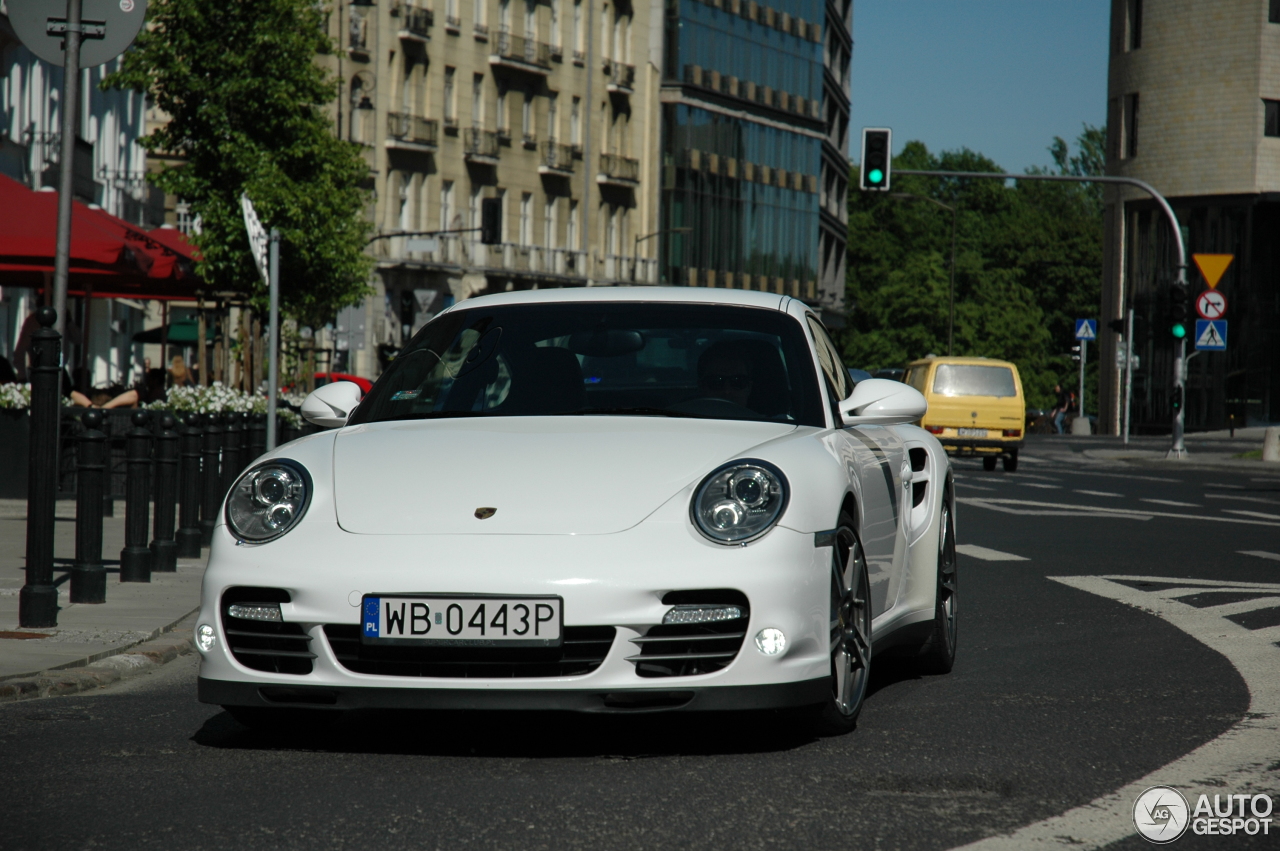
(1086, 329)
(1211, 335)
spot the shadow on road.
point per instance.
(532, 735)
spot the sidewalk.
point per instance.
(1205, 450)
(134, 612)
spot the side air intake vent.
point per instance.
(282, 648)
(686, 649)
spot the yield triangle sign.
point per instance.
(1212, 266)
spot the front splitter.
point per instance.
(697, 699)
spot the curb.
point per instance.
(102, 669)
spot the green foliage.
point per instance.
(1028, 263)
(246, 101)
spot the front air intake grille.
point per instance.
(683, 650)
(582, 651)
(281, 648)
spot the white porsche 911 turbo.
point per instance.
(603, 500)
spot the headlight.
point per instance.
(268, 500)
(739, 501)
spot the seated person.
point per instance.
(725, 372)
(150, 388)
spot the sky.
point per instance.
(1000, 77)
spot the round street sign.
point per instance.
(118, 21)
(1211, 305)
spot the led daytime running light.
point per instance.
(255, 611)
(701, 614)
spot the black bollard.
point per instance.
(164, 549)
(135, 558)
(188, 535)
(38, 599)
(232, 435)
(88, 576)
(212, 483)
(108, 500)
(257, 437)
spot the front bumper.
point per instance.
(670, 698)
(615, 580)
(976, 446)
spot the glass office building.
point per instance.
(755, 112)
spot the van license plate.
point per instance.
(972, 432)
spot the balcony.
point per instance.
(412, 133)
(530, 141)
(522, 54)
(529, 259)
(481, 32)
(637, 270)
(622, 78)
(480, 146)
(620, 171)
(415, 24)
(557, 159)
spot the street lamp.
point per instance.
(951, 291)
(635, 249)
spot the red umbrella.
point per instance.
(28, 234)
(175, 239)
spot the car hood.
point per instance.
(543, 475)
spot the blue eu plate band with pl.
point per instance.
(1211, 335)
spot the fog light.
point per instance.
(771, 641)
(205, 638)
(255, 611)
(702, 614)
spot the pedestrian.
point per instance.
(1059, 408)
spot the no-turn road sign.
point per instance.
(1211, 305)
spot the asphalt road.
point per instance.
(1059, 696)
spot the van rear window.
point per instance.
(959, 380)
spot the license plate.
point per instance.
(972, 432)
(463, 621)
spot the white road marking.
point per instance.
(1100, 511)
(1093, 474)
(1033, 460)
(1251, 514)
(1236, 760)
(975, 551)
(1241, 498)
(1172, 502)
(1242, 606)
(1260, 554)
(1098, 493)
(992, 504)
(1038, 485)
(976, 487)
(1220, 485)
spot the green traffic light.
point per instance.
(875, 176)
(1179, 330)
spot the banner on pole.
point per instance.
(257, 237)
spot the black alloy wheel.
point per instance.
(1011, 462)
(850, 634)
(938, 654)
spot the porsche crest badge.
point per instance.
(485, 513)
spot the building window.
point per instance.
(526, 117)
(549, 223)
(504, 128)
(575, 122)
(526, 218)
(477, 100)
(1271, 118)
(474, 212)
(504, 16)
(571, 227)
(553, 114)
(450, 98)
(530, 20)
(1134, 40)
(1273, 14)
(481, 12)
(555, 25)
(577, 28)
(446, 205)
(1131, 126)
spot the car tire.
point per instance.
(850, 635)
(263, 719)
(988, 462)
(1011, 462)
(938, 654)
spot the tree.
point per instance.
(1029, 261)
(246, 104)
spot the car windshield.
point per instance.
(678, 360)
(964, 380)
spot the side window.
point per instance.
(917, 376)
(829, 357)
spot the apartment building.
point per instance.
(548, 105)
(755, 118)
(1194, 110)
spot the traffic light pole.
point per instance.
(1177, 449)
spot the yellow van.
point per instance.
(976, 406)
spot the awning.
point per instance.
(110, 258)
(175, 239)
(183, 332)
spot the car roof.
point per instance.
(579, 295)
(974, 361)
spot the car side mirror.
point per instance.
(330, 405)
(879, 401)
